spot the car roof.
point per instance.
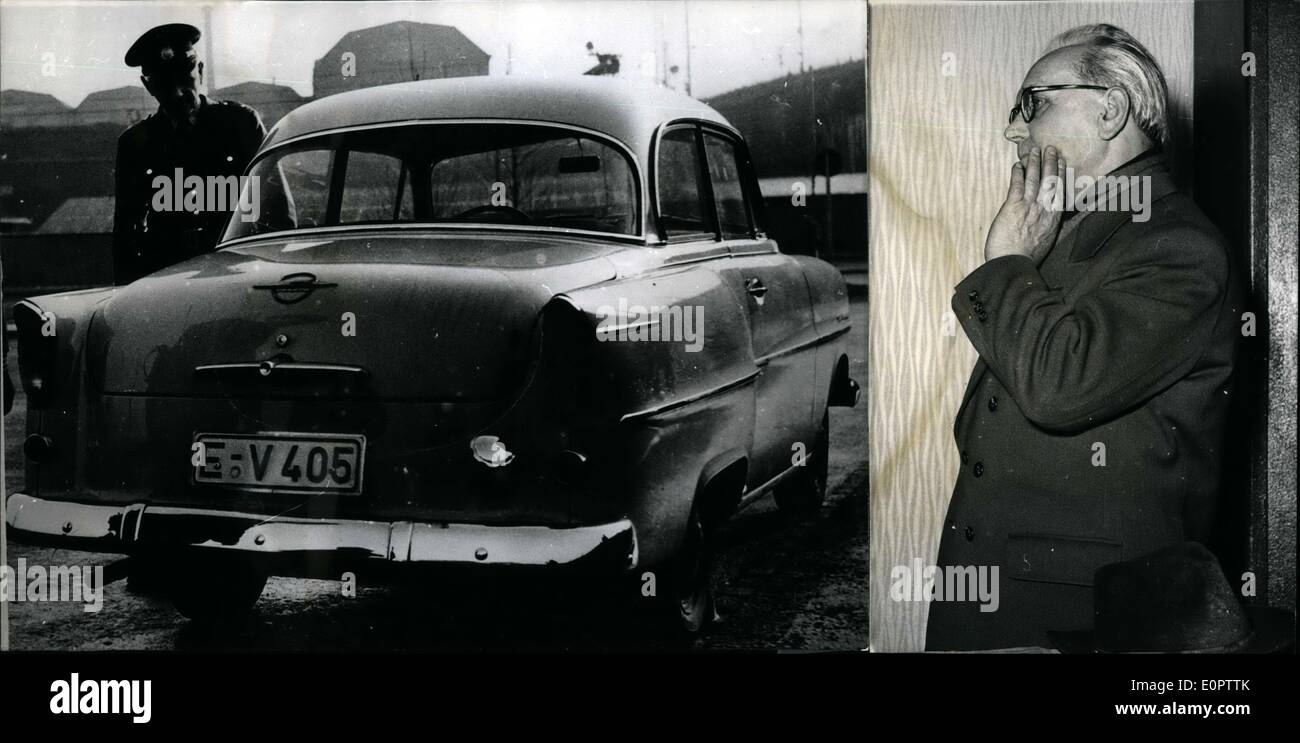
(625, 110)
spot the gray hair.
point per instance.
(1115, 59)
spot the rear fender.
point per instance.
(685, 410)
(52, 333)
(722, 483)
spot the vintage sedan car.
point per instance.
(477, 323)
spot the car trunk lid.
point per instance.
(441, 318)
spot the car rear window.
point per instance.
(527, 175)
(376, 188)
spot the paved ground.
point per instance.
(783, 583)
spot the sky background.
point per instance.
(733, 43)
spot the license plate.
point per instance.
(282, 462)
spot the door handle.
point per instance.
(755, 288)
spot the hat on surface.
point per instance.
(162, 45)
(1175, 600)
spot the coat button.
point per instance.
(965, 457)
(979, 469)
(970, 534)
(983, 315)
(974, 295)
(993, 403)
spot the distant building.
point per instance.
(396, 52)
(122, 106)
(80, 215)
(20, 108)
(787, 121)
(43, 166)
(71, 249)
(270, 101)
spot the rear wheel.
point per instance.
(147, 576)
(682, 604)
(214, 592)
(804, 491)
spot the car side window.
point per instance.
(728, 189)
(376, 188)
(299, 186)
(683, 205)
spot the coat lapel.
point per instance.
(1095, 228)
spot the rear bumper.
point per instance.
(610, 547)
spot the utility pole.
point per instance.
(210, 63)
(687, 6)
(410, 56)
(800, 6)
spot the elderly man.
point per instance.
(189, 133)
(1092, 428)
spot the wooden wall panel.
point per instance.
(938, 169)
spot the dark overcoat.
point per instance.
(222, 141)
(1092, 428)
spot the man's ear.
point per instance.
(1115, 114)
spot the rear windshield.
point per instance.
(493, 174)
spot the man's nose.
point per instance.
(1017, 131)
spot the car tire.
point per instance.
(805, 490)
(147, 576)
(212, 592)
(683, 604)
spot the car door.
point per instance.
(773, 288)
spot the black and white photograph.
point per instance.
(418, 326)
(848, 328)
(1082, 341)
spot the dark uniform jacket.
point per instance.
(221, 142)
(9, 391)
(1092, 429)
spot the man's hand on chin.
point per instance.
(1030, 217)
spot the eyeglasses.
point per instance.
(1025, 107)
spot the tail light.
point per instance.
(573, 400)
(37, 345)
(39, 448)
(575, 381)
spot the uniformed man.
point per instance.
(189, 135)
(1093, 426)
(9, 390)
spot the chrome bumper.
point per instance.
(126, 529)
